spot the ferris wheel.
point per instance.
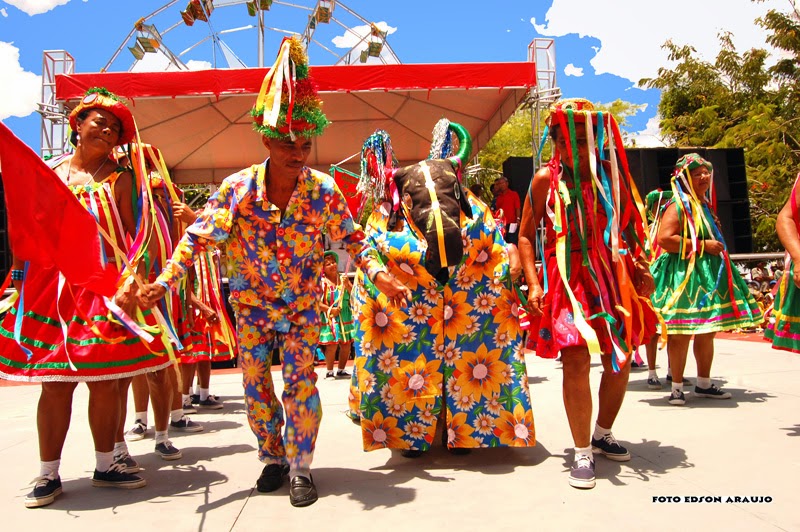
(210, 34)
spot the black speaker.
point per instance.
(651, 168)
(519, 172)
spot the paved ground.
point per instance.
(745, 447)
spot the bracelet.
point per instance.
(17, 275)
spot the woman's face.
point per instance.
(581, 145)
(100, 129)
(701, 180)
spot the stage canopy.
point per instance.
(201, 119)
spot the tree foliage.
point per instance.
(740, 101)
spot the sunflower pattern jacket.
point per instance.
(456, 347)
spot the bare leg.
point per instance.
(577, 394)
(344, 354)
(651, 350)
(104, 413)
(677, 349)
(52, 418)
(187, 375)
(612, 391)
(141, 393)
(177, 399)
(204, 374)
(704, 353)
(161, 397)
(123, 385)
(330, 356)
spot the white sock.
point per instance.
(176, 415)
(300, 472)
(600, 432)
(49, 469)
(203, 392)
(704, 382)
(583, 451)
(141, 416)
(161, 437)
(677, 386)
(104, 461)
(120, 449)
(651, 374)
(187, 399)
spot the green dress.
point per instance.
(714, 297)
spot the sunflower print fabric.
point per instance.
(454, 353)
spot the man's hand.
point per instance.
(150, 294)
(535, 300)
(643, 279)
(183, 212)
(713, 247)
(398, 293)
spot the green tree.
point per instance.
(738, 101)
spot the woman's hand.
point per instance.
(713, 247)
(535, 300)
(643, 279)
(126, 298)
(334, 311)
(183, 212)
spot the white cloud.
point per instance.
(650, 136)
(3, 12)
(356, 33)
(632, 32)
(198, 65)
(36, 7)
(20, 90)
(572, 70)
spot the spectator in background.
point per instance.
(508, 201)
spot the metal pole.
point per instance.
(260, 38)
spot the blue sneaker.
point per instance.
(609, 446)
(582, 473)
(44, 492)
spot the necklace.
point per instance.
(69, 169)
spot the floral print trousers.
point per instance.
(259, 333)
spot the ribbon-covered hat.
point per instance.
(579, 107)
(101, 98)
(288, 104)
(690, 161)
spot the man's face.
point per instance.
(502, 185)
(581, 145)
(287, 154)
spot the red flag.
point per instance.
(347, 182)
(47, 225)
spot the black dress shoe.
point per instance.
(271, 477)
(459, 451)
(302, 491)
(411, 453)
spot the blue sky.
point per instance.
(602, 46)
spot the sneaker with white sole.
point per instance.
(138, 432)
(131, 465)
(188, 407)
(44, 492)
(610, 447)
(167, 451)
(116, 477)
(185, 424)
(581, 475)
(713, 392)
(653, 383)
(677, 398)
(210, 403)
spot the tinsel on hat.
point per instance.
(288, 104)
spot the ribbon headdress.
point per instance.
(288, 104)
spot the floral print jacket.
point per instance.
(274, 260)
